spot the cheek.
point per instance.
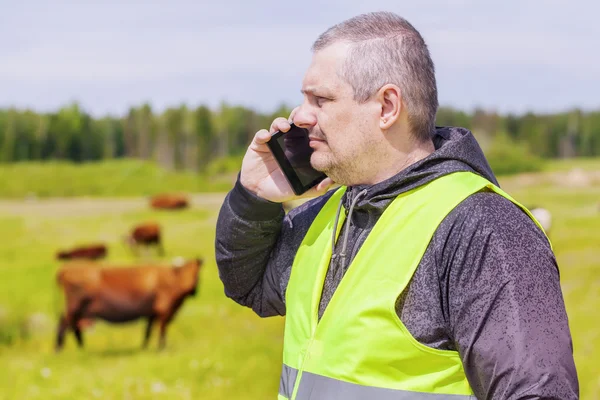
(332, 122)
(340, 126)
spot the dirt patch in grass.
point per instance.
(82, 206)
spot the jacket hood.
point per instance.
(456, 149)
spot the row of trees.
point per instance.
(189, 138)
(572, 133)
(178, 138)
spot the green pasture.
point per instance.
(111, 178)
(215, 348)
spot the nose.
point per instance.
(305, 117)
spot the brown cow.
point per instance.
(169, 201)
(147, 234)
(123, 294)
(90, 252)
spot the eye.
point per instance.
(320, 100)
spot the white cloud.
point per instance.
(113, 54)
(91, 56)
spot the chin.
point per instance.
(318, 162)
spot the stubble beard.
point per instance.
(346, 168)
(342, 169)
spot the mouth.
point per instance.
(314, 141)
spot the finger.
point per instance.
(280, 124)
(321, 188)
(262, 137)
(324, 185)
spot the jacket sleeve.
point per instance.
(505, 305)
(255, 246)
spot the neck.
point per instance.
(399, 160)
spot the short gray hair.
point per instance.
(386, 49)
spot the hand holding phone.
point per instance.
(261, 173)
(292, 152)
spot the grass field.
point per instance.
(215, 348)
(110, 178)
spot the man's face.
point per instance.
(341, 131)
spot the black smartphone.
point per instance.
(292, 152)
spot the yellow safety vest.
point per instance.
(360, 349)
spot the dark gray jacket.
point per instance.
(487, 285)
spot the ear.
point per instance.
(390, 99)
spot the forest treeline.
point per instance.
(187, 138)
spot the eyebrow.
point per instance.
(317, 89)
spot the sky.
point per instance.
(509, 56)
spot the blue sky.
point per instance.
(511, 56)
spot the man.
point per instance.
(438, 285)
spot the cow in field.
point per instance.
(123, 294)
(169, 201)
(543, 216)
(90, 252)
(146, 235)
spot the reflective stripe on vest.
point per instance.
(360, 345)
(332, 389)
(287, 381)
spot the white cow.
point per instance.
(544, 218)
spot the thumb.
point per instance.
(320, 188)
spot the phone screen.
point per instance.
(292, 151)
